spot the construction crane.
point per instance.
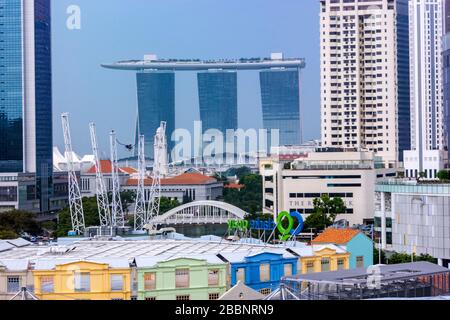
(102, 195)
(117, 216)
(160, 168)
(75, 200)
(140, 212)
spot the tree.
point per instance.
(165, 205)
(249, 198)
(443, 175)
(91, 217)
(330, 207)
(14, 223)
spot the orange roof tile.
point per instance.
(184, 179)
(129, 170)
(338, 236)
(234, 186)
(105, 165)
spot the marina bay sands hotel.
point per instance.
(217, 90)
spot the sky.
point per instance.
(113, 30)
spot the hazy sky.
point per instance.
(113, 30)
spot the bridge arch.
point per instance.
(200, 212)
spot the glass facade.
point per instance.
(156, 103)
(280, 93)
(11, 86)
(404, 108)
(218, 100)
(12, 75)
(43, 86)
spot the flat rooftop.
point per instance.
(205, 65)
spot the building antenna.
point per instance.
(75, 200)
(102, 196)
(140, 209)
(117, 216)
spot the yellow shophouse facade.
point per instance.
(321, 259)
(82, 280)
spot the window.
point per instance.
(213, 296)
(150, 298)
(182, 278)
(360, 262)
(150, 281)
(264, 272)
(325, 263)
(310, 267)
(213, 277)
(288, 269)
(240, 274)
(341, 264)
(47, 284)
(265, 291)
(116, 282)
(183, 298)
(13, 285)
(82, 282)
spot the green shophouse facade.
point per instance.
(199, 278)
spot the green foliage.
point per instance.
(165, 205)
(249, 198)
(128, 198)
(325, 211)
(13, 223)
(90, 217)
(376, 254)
(443, 175)
(239, 172)
(400, 257)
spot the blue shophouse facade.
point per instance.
(360, 248)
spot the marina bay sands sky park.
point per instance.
(217, 90)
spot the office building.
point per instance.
(217, 91)
(280, 96)
(365, 76)
(428, 130)
(345, 174)
(413, 217)
(446, 71)
(26, 93)
(156, 103)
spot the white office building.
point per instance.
(364, 72)
(350, 175)
(428, 133)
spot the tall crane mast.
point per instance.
(140, 212)
(75, 200)
(160, 168)
(117, 216)
(102, 195)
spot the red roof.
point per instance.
(234, 186)
(128, 170)
(337, 236)
(105, 165)
(184, 179)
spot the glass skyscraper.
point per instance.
(156, 103)
(26, 92)
(217, 92)
(280, 94)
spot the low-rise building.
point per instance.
(347, 174)
(14, 276)
(100, 279)
(196, 278)
(413, 217)
(356, 243)
(261, 271)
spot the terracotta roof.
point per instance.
(338, 236)
(183, 179)
(128, 170)
(234, 186)
(105, 165)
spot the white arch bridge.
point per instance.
(200, 212)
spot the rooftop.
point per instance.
(337, 236)
(183, 179)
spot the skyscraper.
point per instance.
(280, 96)
(217, 92)
(428, 135)
(26, 93)
(365, 76)
(156, 103)
(446, 71)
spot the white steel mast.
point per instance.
(102, 195)
(117, 215)
(159, 169)
(75, 200)
(140, 207)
